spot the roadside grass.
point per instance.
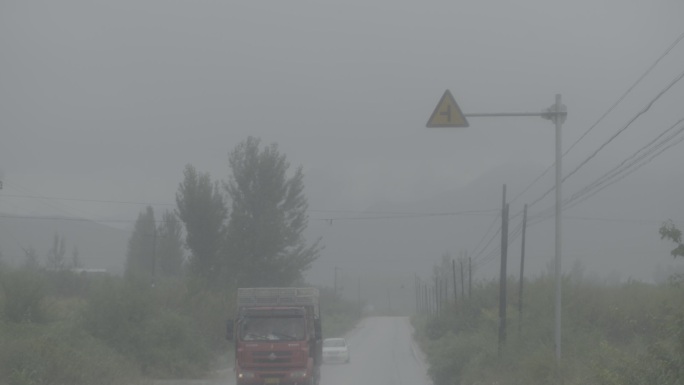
(338, 324)
(59, 353)
(632, 333)
(166, 330)
(338, 315)
(61, 328)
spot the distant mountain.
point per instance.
(99, 246)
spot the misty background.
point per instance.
(103, 104)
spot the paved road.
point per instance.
(382, 353)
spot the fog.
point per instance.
(102, 104)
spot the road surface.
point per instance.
(382, 353)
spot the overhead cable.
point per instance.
(600, 119)
(604, 144)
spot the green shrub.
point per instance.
(337, 324)
(58, 354)
(138, 324)
(172, 349)
(631, 333)
(65, 283)
(452, 355)
(338, 315)
(23, 294)
(208, 311)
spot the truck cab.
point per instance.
(277, 336)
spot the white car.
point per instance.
(336, 350)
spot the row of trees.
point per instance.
(246, 231)
(614, 332)
(55, 259)
(155, 250)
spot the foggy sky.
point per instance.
(109, 101)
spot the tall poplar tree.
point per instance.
(141, 253)
(201, 207)
(170, 245)
(265, 241)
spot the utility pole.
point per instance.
(335, 282)
(389, 304)
(502, 277)
(522, 270)
(448, 114)
(426, 304)
(434, 296)
(154, 255)
(426, 296)
(415, 291)
(558, 118)
(462, 280)
(470, 278)
(437, 307)
(453, 266)
(0, 184)
(360, 306)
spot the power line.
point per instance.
(628, 172)
(60, 218)
(416, 215)
(628, 162)
(579, 199)
(489, 229)
(86, 200)
(397, 213)
(648, 107)
(632, 167)
(377, 214)
(620, 99)
(620, 220)
(477, 255)
(667, 51)
(409, 216)
(367, 212)
(536, 219)
(513, 235)
(604, 144)
(47, 203)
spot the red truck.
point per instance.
(277, 334)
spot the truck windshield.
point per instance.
(272, 329)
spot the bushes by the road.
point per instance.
(115, 329)
(338, 314)
(60, 328)
(147, 326)
(23, 293)
(630, 333)
(60, 354)
(337, 324)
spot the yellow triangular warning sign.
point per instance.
(447, 113)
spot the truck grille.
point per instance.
(275, 357)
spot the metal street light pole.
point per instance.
(558, 118)
(448, 114)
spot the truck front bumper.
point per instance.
(290, 377)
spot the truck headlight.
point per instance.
(298, 374)
(246, 375)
